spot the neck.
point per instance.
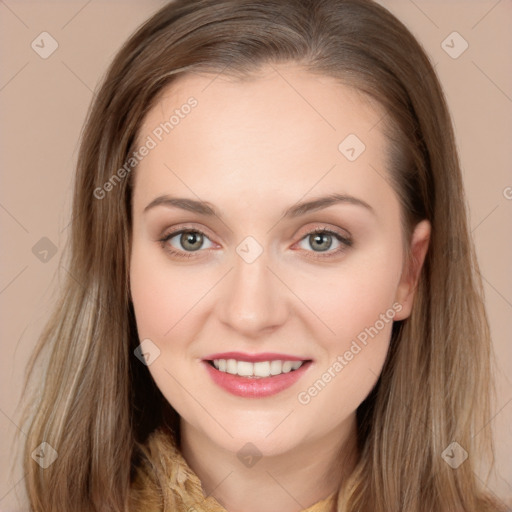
(287, 482)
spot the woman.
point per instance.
(272, 299)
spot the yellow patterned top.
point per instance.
(164, 482)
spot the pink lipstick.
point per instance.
(255, 375)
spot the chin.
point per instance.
(272, 434)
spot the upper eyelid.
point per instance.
(173, 232)
(321, 228)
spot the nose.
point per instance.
(253, 300)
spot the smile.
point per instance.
(256, 370)
(255, 376)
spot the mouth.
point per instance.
(255, 376)
(258, 370)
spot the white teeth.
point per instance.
(287, 366)
(275, 367)
(262, 369)
(245, 369)
(231, 366)
(259, 369)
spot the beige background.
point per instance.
(43, 103)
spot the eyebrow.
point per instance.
(298, 209)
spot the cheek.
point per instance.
(152, 299)
(351, 297)
(354, 357)
(163, 300)
(358, 305)
(162, 294)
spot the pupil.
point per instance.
(189, 239)
(319, 238)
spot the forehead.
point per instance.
(282, 131)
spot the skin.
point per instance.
(252, 149)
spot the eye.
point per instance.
(323, 240)
(186, 241)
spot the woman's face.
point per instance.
(270, 320)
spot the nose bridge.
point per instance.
(252, 299)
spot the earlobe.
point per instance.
(411, 272)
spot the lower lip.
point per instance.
(261, 387)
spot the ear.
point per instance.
(411, 271)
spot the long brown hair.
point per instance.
(96, 403)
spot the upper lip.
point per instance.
(254, 358)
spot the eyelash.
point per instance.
(346, 243)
